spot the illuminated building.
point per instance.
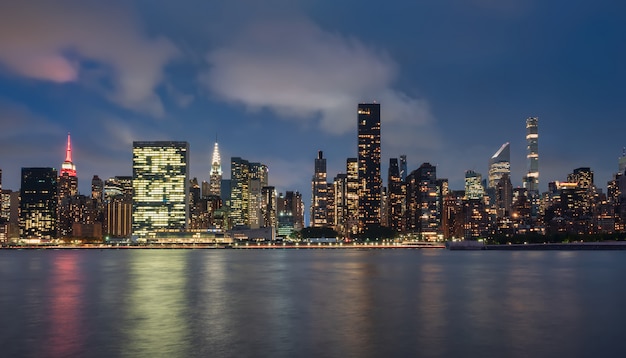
(268, 208)
(395, 195)
(622, 162)
(38, 204)
(319, 193)
(352, 196)
(160, 187)
(499, 164)
(339, 205)
(215, 182)
(118, 199)
(504, 196)
(403, 168)
(239, 193)
(246, 181)
(531, 180)
(370, 180)
(473, 185)
(258, 178)
(68, 187)
(290, 213)
(422, 214)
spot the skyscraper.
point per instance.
(352, 196)
(239, 193)
(67, 187)
(499, 164)
(38, 205)
(394, 195)
(622, 162)
(473, 185)
(319, 193)
(160, 187)
(531, 180)
(215, 183)
(370, 180)
(422, 202)
(403, 168)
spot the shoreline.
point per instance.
(584, 246)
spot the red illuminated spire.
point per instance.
(67, 166)
(68, 151)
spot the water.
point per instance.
(312, 303)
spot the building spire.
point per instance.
(68, 166)
(68, 151)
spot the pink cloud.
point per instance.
(50, 67)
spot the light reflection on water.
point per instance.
(311, 303)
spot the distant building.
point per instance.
(118, 199)
(215, 183)
(422, 215)
(531, 180)
(67, 188)
(246, 181)
(319, 193)
(395, 196)
(160, 187)
(38, 204)
(473, 185)
(352, 197)
(370, 179)
(499, 164)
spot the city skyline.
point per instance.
(171, 72)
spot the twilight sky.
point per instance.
(278, 81)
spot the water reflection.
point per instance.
(155, 322)
(66, 308)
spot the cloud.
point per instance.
(55, 40)
(301, 72)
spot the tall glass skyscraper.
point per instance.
(531, 180)
(160, 187)
(319, 193)
(499, 164)
(38, 204)
(370, 181)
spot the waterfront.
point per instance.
(311, 303)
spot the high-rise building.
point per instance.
(370, 180)
(160, 187)
(268, 208)
(395, 195)
(531, 180)
(215, 182)
(352, 197)
(67, 187)
(38, 204)
(246, 200)
(499, 164)
(118, 205)
(239, 193)
(622, 162)
(504, 196)
(258, 179)
(473, 185)
(422, 212)
(319, 193)
(403, 168)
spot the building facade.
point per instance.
(38, 204)
(370, 181)
(160, 187)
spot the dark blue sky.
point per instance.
(278, 81)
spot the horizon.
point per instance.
(455, 81)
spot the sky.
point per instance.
(277, 81)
